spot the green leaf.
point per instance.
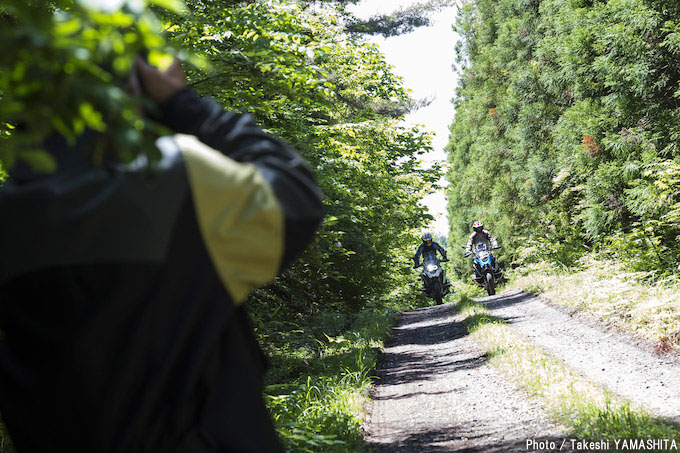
(39, 160)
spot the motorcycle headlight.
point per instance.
(431, 268)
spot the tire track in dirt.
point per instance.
(437, 392)
(602, 355)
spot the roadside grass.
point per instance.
(587, 410)
(322, 365)
(631, 301)
(317, 388)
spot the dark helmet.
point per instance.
(478, 226)
(427, 238)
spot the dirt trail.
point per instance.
(437, 392)
(605, 356)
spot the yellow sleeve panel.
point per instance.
(239, 217)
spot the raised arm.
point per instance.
(232, 201)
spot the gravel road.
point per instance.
(624, 366)
(437, 392)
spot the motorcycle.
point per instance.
(434, 279)
(487, 272)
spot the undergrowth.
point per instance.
(322, 361)
(316, 388)
(585, 409)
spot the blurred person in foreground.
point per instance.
(121, 286)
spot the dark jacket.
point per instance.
(121, 289)
(483, 237)
(425, 250)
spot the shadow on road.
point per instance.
(435, 391)
(435, 326)
(505, 300)
(405, 368)
(427, 335)
(499, 302)
(407, 395)
(428, 326)
(446, 439)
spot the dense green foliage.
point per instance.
(309, 81)
(64, 69)
(567, 128)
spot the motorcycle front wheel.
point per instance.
(490, 284)
(437, 292)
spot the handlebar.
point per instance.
(422, 264)
(494, 247)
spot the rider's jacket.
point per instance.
(424, 250)
(480, 238)
(121, 288)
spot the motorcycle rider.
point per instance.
(426, 248)
(480, 236)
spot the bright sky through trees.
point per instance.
(424, 58)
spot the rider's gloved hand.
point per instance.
(160, 85)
